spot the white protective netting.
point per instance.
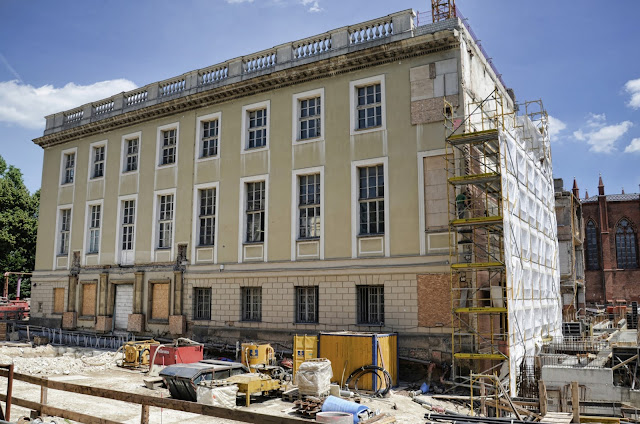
(531, 244)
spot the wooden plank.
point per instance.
(144, 415)
(177, 405)
(542, 391)
(58, 412)
(621, 364)
(575, 401)
(89, 299)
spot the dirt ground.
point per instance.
(98, 369)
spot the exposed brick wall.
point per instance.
(434, 300)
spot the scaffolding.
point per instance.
(442, 10)
(485, 151)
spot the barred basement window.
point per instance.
(207, 216)
(98, 162)
(309, 118)
(69, 168)
(94, 229)
(65, 231)
(128, 223)
(371, 305)
(202, 304)
(369, 106)
(257, 129)
(131, 159)
(309, 206)
(251, 303)
(165, 221)
(168, 147)
(307, 304)
(592, 246)
(209, 138)
(626, 246)
(255, 212)
(371, 200)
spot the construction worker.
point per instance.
(462, 204)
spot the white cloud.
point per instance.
(314, 5)
(555, 127)
(599, 136)
(26, 105)
(634, 146)
(633, 88)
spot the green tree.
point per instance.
(18, 227)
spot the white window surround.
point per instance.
(56, 249)
(121, 199)
(87, 223)
(295, 118)
(123, 152)
(355, 189)
(353, 85)
(421, 210)
(199, 120)
(160, 129)
(245, 126)
(195, 234)
(242, 215)
(156, 211)
(91, 160)
(295, 176)
(63, 155)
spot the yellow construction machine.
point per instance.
(136, 353)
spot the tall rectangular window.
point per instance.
(592, 246)
(201, 303)
(207, 216)
(369, 106)
(309, 124)
(131, 155)
(169, 144)
(251, 303)
(307, 304)
(370, 305)
(98, 162)
(94, 229)
(255, 211)
(128, 224)
(309, 206)
(69, 162)
(165, 221)
(257, 131)
(209, 138)
(65, 231)
(371, 199)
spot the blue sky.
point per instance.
(579, 58)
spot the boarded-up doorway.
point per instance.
(123, 305)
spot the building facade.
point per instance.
(611, 247)
(295, 190)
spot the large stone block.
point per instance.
(69, 320)
(136, 323)
(177, 325)
(104, 324)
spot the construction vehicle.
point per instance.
(136, 353)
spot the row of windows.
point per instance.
(368, 113)
(370, 304)
(371, 215)
(626, 251)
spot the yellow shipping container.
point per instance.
(349, 351)
(304, 348)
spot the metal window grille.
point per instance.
(168, 147)
(94, 229)
(132, 155)
(251, 303)
(309, 119)
(307, 304)
(371, 200)
(209, 138)
(65, 229)
(626, 246)
(98, 162)
(309, 206)
(202, 303)
(371, 305)
(165, 221)
(257, 129)
(369, 107)
(255, 212)
(592, 246)
(128, 224)
(69, 167)
(207, 216)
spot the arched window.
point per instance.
(592, 246)
(626, 245)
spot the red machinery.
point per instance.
(183, 351)
(13, 309)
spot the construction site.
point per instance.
(484, 321)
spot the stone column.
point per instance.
(70, 317)
(136, 319)
(177, 321)
(104, 322)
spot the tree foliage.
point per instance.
(18, 226)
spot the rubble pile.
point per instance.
(49, 360)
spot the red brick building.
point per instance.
(611, 246)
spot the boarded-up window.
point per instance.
(58, 301)
(434, 300)
(435, 193)
(160, 301)
(88, 300)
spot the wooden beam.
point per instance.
(575, 401)
(144, 415)
(58, 412)
(542, 391)
(622, 364)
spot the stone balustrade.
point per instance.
(340, 41)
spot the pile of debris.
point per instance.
(50, 360)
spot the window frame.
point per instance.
(59, 231)
(360, 289)
(62, 181)
(124, 152)
(295, 117)
(93, 147)
(629, 249)
(244, 293)
(120, 213)
(199, 131)
(242, 216)
(353, 101)
(592, 264)
(196, 307)
(159, 145)
(155, 233)
(91, 230)
(307, 206)
(205, 216)
(297, 303)
(244, 138)
(163, 218)
(259, 187)
(367, 200)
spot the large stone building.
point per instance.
(611, 246)
(298, 189)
